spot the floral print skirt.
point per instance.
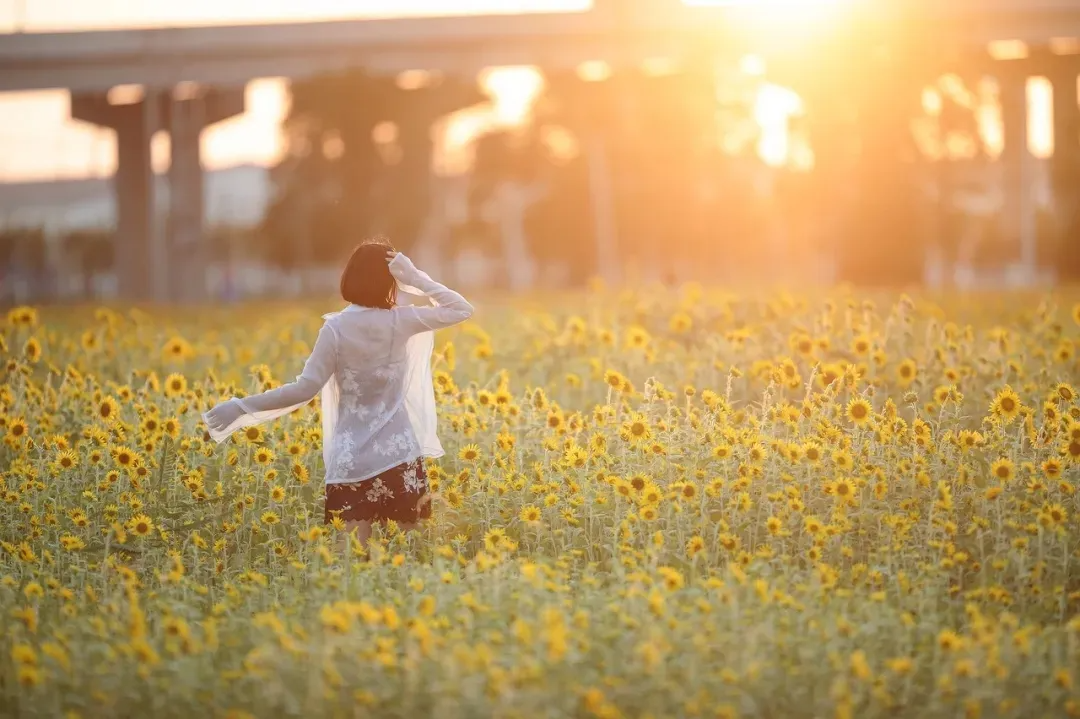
(399, 494)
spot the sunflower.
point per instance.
(694, 546)
(140, 525)
(175, 385)
(453, 498)
(1055, 514)
(614, 379)
(150, 424)
(859, 412)
(721, 451)
(72, 543)
(253, 434)
(263, 455)
(177, 348)
(469, 453)
(66, 459)
(844, 490)
(1006, 404)
(277, 493)
(22, 316)
(680, 323)
(269, 518)
(108, 410)
(802, 344)
(1072, 451)
(171, 426)
(555, 420)
(495, 540)
(637, 428)
(906, 372)
(17, 428)
(636, 337)
(125, 457)
(949, 640)
(1051, 468)
(861, 345)
(90, 341)
(1065, 392)
(651, 494)
(32, 350)
(529, 513)
(1003, 469)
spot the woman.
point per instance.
(372, 364)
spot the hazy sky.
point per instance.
(37, 140)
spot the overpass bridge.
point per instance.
(192, 77)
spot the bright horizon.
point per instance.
(38, 141)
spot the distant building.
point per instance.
(235, 197)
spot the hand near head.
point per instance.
(401, 267)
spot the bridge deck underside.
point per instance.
(95, 61)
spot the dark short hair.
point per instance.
(366, 280)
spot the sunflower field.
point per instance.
(654, 503)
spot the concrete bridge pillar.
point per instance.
(1017, 217)
(137, 242)
(188, 116)
(155, 263)
(1063, 71)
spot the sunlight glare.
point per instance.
(1040, 96)
(514, 90)
(773, 109)
(1008, 49)
(594, 71)
(753, 65)
(783, 11)
(415, 79)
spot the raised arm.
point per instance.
(450, 307)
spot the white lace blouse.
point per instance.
(373, 369)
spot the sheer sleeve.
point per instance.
(317, 370)
(318, 375)
(448, 307)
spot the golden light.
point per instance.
(1040, 97)
(186, 90)
(1065, 45)
(658, 66)
(988, 117)
(1008, 49)
(778, 12)
(753, 65)
(385, 133)
(514, 90)
(594, 71)
(415, 79)
(125, 94)
(773, 109)
(931, 101)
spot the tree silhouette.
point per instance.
(333, 187)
